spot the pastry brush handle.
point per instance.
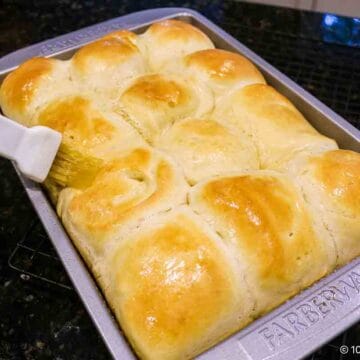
(11, 135)
(33, 149)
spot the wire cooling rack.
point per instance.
(331, 72)
(36, 259)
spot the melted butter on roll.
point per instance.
(86, 128)
(265, 219)
(33, 84)
(129, 188)
(152, 103)
(181, 291)
(223, 71)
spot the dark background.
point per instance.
(40, 320)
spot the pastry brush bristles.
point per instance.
(72, 168)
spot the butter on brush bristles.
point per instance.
(72, 168)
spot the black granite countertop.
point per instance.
(40, 321)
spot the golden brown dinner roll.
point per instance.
(204, 148)
(171, 39)
(223, 71)
(31, 85)
(331, 185)
(277, 127)
(130, 187)
(175, 287)
(104, 65)
(153, 102)
(87, 128)
(263, 217)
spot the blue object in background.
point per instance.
(341, 30)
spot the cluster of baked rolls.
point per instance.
(217, 200)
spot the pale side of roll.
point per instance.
(168, 40)
(205, 148)
(276, 126)
(331, 185)
(102, 66)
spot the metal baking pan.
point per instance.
(294, 329)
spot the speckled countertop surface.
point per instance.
(46, 322)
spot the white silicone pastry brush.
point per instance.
(39, 153)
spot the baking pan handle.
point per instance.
(73, 39)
